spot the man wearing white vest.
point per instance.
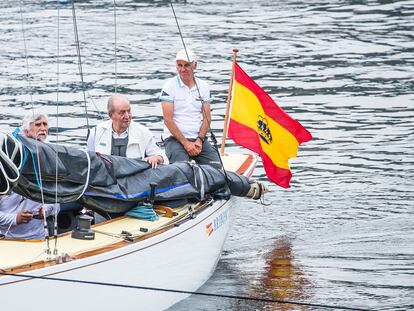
(123, 137)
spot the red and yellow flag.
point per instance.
(259, 124)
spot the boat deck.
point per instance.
(24, 255)
(108, 233)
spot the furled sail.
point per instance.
(101, 182)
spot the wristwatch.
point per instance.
(201, 138)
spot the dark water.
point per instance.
(343, 233)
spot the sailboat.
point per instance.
(124, 263)
(121, 263)
(129, 264)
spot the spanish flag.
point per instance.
(259, 124)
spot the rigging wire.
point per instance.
(25, 55)
(213, 137)
(75, 29)
(178, 291)
(115, 43)
(96, 107)
(55, 224)
(40, 183)
(78, 51)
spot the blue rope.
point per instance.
(143, 212)
(16, 134)
(35, 169)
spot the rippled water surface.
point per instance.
(343, 233)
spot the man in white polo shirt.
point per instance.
(186, 108)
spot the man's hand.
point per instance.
(154, 160)
(192, 149)
(23, 217)
(40, 214)
(199, 144)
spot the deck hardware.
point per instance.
(191, 213)
(126, 233)
(83, 229)
(128, 239)
(151, 197)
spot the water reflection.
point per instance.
(283, 278)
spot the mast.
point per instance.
(226, 117)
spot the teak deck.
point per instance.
(24, 255)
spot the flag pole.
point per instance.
(226, 117)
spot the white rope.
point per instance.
(18, 150)
(8, 229)
(7, 189)
(87, 174)
(13, 174)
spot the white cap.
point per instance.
(182, 55)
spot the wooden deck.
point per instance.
(24, 255)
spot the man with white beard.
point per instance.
(22, 218)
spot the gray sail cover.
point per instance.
(106, 183)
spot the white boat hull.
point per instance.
(182, 258)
